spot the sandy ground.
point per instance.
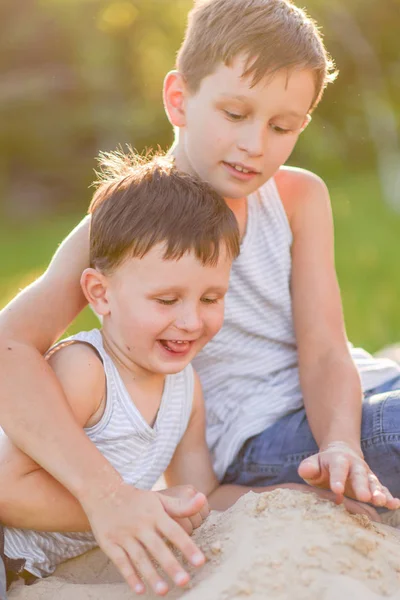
(281, 545)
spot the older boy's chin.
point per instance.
(236, 190)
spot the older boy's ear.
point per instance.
(174, 98)
(307, 121)
(94, 286)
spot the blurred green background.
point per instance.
(79, 76)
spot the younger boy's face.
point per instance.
(162, 312)
(236, 136)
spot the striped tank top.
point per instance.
(249, 371)
(139, 452)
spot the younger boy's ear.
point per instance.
(174, 96)
(94, 286)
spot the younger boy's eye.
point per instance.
(233, 116)
(210, 300)
(165, 301)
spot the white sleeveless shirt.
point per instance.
(139, 452)
(249, 371)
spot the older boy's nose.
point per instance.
(252, 141)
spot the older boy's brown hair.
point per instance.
(140, 203)
(272, 34)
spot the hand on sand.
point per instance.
(187, 492)
(343, 470)
(132, 526)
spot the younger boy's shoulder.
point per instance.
(300, 190)
(80, 371)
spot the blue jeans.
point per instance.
(273, 456)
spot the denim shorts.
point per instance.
(273, 456)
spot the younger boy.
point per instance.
(161, 248)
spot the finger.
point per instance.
(183, 507)
(360, 482)
(140, 558)
(205, 511)
(310, 469)
(186, 525)
(163, 555)
(338, 473)
(196, 520)
(391, 502)
(376, 489)
(175, 534)
(124, 565)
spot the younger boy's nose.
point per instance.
(190, 321)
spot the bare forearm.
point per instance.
(37, 501)
(333, 401)
(37, 418)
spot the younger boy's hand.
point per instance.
(343, 470)
(185, 493)
(132, 526)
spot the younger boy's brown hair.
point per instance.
(272, 34)
(140, 203)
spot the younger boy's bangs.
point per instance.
(156, 204)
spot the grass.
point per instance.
(367, 250)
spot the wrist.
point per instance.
(342, 444)
(100, 486)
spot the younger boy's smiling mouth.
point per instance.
(179, 347)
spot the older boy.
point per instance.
(280, 381)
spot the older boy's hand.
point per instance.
(343, 470)
(132, 526)
(187, 493)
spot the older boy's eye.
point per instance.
(165, 301)
(233, 116)
(280, 130)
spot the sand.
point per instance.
(280, 545)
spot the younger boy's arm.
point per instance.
(191, 465)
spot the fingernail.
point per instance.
(198, 559)
(139, 588)
(161, 587)
(181, 578)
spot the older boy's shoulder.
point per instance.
(300, 189)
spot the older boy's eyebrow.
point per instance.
(240, 98)
(235, 97)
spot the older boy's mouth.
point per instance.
(241, 170)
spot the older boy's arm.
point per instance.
(32, 401)
(29, 497)
(329, 379)
(191, 466)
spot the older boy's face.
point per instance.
(162, 312)
(237, 136)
